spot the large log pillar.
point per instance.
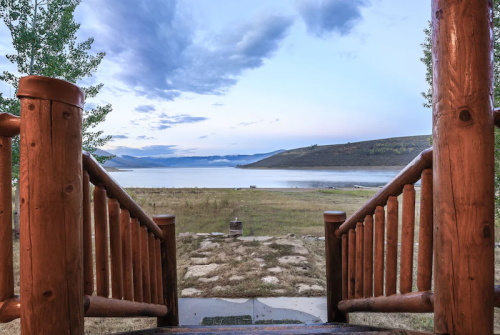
(51, 206)
(463, 166)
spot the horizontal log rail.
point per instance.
(10, 309)
(99, 176)
(409, 175)
(414, 302)
(10, 125)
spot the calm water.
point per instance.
(232, 177)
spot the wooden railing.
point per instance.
(60, 283)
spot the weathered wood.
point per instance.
(359, 260)
(88, 261)
(10, 125)
(114, 308)
(378, 277)
(463, 135)
(101, 241)
(345, 275)
(351, 264)
(407, 240)
(146, 280)
(368, 258)
(51, 209)
(10, 309)
(424, 269)
(414, 302)
(333, 258)
(152, 268)
(159, 283)
(99, 176)
(115, 249)
(409, 175)
(6, 253)
(136, 260)
(127, 268)
(392, 246)
(169, 270)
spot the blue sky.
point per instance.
(197, 77)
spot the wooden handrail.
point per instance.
(10, 309)
(10, 125)
(415, 302)
(99, 176)
(95, 306)
(409, 175)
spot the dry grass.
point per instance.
(264, 212)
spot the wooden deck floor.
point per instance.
(275, 329)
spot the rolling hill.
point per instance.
(397, 151)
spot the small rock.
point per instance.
(294, 242)
(254, 238)
(302, 269)
(238, 258)
(202, 234)
(279, 291)
(304, 287)
(292, 260)
(205, 253)
(321, 238)
(260, 260)
(209, 245)
(187, 292)
(270, 280)
(208, 280)
(199, 261)
(235, 277)
(221, 288)
(290, 235)
(275, 270)
(200, 270)
(186, 234)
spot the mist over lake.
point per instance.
(228, 177)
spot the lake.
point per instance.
(228, 177)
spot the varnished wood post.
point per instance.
(115, 249)
(152, 268)
(360, 248)
(392, 246)
(159, 284)
(368, 258)
(51, 206)
(378, 276)
(6, 257)
(169, 270)
(88, 261)
(351, 264)
(146, 280)
(424, 271)
(463, 164)
(136, 260)
(407, 240)
(333, 255)
(345, 275)
(128, 282)
(101, 241)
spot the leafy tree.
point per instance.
(427, 60)
(44, 37)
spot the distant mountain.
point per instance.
(397, 151)
(125, 161)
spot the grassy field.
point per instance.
(263, 212)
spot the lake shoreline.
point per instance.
(329, 168)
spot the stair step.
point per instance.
(270, 329)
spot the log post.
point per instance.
(115, 249)
(88, 260)
(6, 257)
(360, 250)
(378, 276)
(128, 282)
(391, 266)
(463, 164)
(169, 270)
(424, 272)
(333, 255)
(136, 260)
(51, 206)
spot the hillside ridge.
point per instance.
(396, 151)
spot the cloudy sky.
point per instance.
(197, 77)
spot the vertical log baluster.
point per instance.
(368, 257)
(88, 261)
(359, 260)
(159, 283)
(345, 275)
(128, 283)
(115, 246)
(333, 257)
(424, 270)
(169, 270)
(407, 240)
(392, 246)
(136, 260)
(152, 268)
(378, 277)
(6, 248)
(146, 280)
(351, 267)
(101, 241)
